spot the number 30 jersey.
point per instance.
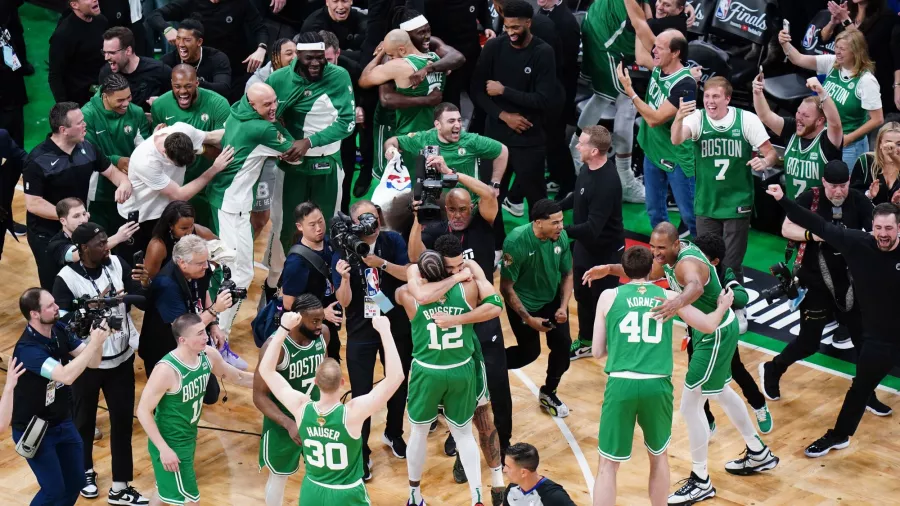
(333, 457)
(443, 348)
(636, 341)
(178, 414)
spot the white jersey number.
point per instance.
(637, 333)
(450, 338)
(330, 455)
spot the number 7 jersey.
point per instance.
(635, 340)
(439, 347)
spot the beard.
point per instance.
(51, 321)
(309, 333)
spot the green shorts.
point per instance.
(482, 396)
(318, 179)
(710, 365)
(313, 493)
(649, 401)
(603, 74)
(180, 487)
(453, 388)
(277, 450)
(383, 126)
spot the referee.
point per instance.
(597, 226)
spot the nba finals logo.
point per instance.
(810, 39)
(723, 8)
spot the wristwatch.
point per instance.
(845, 23)
(495, 185)
(384, 265)
(263, 46)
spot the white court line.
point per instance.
(570, 438)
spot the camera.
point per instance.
(345, 235)
(228, 285)
(787, 284)
(88, 313)
(429, 185)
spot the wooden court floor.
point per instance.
(867, 473)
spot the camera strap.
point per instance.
(94, 283)
(312, 257)
(802, 250)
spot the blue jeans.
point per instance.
(656, 183)
(58, 465)
(853, 151)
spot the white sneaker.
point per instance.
(692, 490)
(752, 462)
(90, 490)
(553, 405)
(517, 210)
(742, 320)
(632, 188)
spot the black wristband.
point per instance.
(285, 328)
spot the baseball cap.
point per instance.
(85, 232)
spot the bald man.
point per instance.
(406, 60)
(200, 108)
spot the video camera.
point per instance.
(429, 185)
(788, 284)
(88, 313)
(228, 285)
(345, 235)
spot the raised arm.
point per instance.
(280, 388)
(773, 122)
(837, 236)
(796, 57)
(427, 292)
(638, 20)
(653, 117)
(265, 404)
(362, 407)
(680, 131)
(832, 118)
(87, 355)
(705, 323)
(451, 59)
(376, 73)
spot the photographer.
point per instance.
(98, 274)
(306, 270)
(822, 270)
(180, 287)
(54, 358)
(365, 291)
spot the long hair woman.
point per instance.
(877, 173)
(176, 221)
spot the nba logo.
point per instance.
(371, 282)
(723, 8)
(809, 40)
(397, 182)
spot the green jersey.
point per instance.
(606, 29)
(178, 413)
(724, 181)
(443, 348)
(657, 141)
(115, 135)
(636, 341)
(299, 367)
(208, 112)
(845, 93)
(708, 301)
(534, 266)
(254, 139)
(803, 167)
(332, 455)
(415, 119)
(462, 155)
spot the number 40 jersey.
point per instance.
(636, 341)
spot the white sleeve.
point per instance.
(150, 173)
(753, 130)
(824, 63)
(869, 92)
(694, 124)
(197, 136)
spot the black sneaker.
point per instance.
(497, 496)
(90, 490)
(361, 187)
(433, 426)
(769, 381)
(128, 496)
(459, 473)
(751, 462)
(367, 470)
(19, 229)
(450, 446)
(397, 444)
(823, 445)
(877, 407)
(692, 490)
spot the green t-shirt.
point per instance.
(415, 119)
(439, 347)
(606, 28)
(534, 266)
(657, 141)
(461, 156)
(636, 341)
(724, 183)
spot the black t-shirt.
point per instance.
(59, 246)
(477, 240)
(300, 276)
(855, 213)
(53, 175)
(35, 393)
(597, 226)
(659, 25)
(830, 151)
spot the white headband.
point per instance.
(414, 23)
(311, 46)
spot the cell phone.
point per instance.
(134, 216)
(549, 324)
(689, 95)
(786, 25)
(138, 258)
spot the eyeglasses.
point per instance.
(110, 53)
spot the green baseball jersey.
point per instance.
(534, 266)
(177, 414)
(442, 348)
(724, 184)
(332, 455)
(657, 141)
(415, 119)
(115, 135)
(208, 112)
(322, 111)
(635, 340)
(253, 139)
(843, 90)
(708, 300)
(803, 167)
(462, 155)
(298, 367)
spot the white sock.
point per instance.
(118, 485)
(470, 457)
(416, 446)
(415, 495)
(497, 477)
(734, 408)
(623, 166)
(698, 429)
(275, 489)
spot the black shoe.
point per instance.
(877, 407)
(459, 473)
(269, 292)
(367, 470)
(433, 426)
(450, 446)
(768, 380)
(19, 229)
(823, 445)
(90, 490)
(497, 496)
(128, 496)
(361, 187)
(397, 444)
(27, 69)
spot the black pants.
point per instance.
(529, 344)
(118, 390)
(490, 335)
(587, 296)
(348, 161)
(527, 163)
(875, 360)
(559, 158)
(334, 344)
(361, 369)
(13, 121)
(740, 376)
(46, 267)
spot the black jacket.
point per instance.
(570, 39)
(75, 58)
(350, 33)
(213, 69)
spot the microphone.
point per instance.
(132, 300)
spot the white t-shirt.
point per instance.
(751, 126)
(867, 90)
(150, 172)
